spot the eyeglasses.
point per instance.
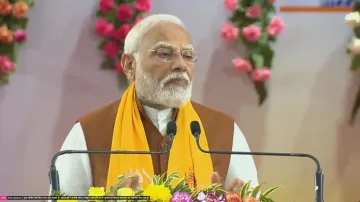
(169, 55)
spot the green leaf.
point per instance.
(111, 16)
(257, 59)
(355, 63)
(100, 14)
(270, 191)
(268, 55)
(261, 90)
(180, 185)
(356, 107)
(103, 42)
(245, 189)
(255, 191)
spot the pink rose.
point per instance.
(124, 12)
(229, 32)
(106, 5)
(230, 5)
(121, 32)
(143, 5)
(271, 1)
(118, 67)
(111, 49)
(103, 28)
(241, 65)
(251, 33)
(20, 35)
(275, 27)
(6, 65)
(253, 12)
(261, 74)
(137, 20)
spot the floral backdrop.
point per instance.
(353, 20)
(115, 20)
(251, 25)
(13, 22)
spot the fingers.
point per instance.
(215, 178)
(235, 185)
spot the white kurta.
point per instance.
(75, 171)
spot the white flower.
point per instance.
(353, 19)
(354, 46)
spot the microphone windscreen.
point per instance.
(171, 128)
(195, 128)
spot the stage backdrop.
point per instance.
(307, 111)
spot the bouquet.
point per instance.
(160, 189)
(252, 26)
(13, 22)
(353, 20)
(115, 20)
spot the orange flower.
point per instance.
(6, 35)
(5, 7)
(251, 200)
(20, 9)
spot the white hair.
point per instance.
(134, 37)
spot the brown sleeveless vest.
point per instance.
(98, 130)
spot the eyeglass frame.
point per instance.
(156, 49)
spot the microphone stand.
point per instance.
(54, 174)
(319, 177)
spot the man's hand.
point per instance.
(234, 186)
(131, 180)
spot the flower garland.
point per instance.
(251, 26)
(161, 190)
(353, 20)
(13, 22)
(115, 20)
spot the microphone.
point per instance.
(54, 174)
(319, 177)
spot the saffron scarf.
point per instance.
(129, 134)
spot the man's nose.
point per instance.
(179, 64)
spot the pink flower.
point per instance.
(111, 49)
(121, 32)
(261, 74)
(6, 65)
(118, 67)
(230, 5)
(275, 27)
(253, 12)
(271, 1)
(20, 35)
(241, 65)
(124, 12)
(143, 5)
(106, 5)
(251, 33)
(229, 32)
(137, 20)
(103, 28)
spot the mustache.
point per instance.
(175, 75)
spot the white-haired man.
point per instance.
(159, 61)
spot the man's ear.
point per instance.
(128, 65)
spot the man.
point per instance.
(159, 61)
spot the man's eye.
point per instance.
(163, 53)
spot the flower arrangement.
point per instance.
(353, 20)
(251, 25)
(13, 22)
(115, 20)
(161, 190)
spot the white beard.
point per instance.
(155, 92)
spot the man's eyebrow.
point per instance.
(188, 47)
(162, 45)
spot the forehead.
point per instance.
(167, 33)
